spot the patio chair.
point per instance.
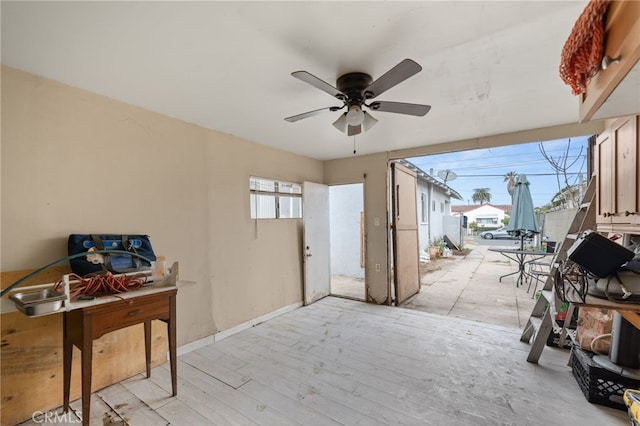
(539, 271)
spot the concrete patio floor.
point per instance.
(463, 287)
(469, 287)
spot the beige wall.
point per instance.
(76, 162)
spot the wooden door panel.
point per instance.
(604, 161)
(405, 233)
(626, 191)
(406, 266)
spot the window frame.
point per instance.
(424, 205)
(277, 193)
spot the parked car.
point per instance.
(500, 233)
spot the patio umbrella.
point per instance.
(523, 217)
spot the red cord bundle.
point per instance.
(583, 50)
(102, 284)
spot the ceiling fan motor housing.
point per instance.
(353, 85)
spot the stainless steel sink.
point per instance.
(38, 302)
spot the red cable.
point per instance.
(98, 285)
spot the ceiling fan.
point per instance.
(355, 89)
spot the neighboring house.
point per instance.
(486, 215)
(569, 198)
(434, 207)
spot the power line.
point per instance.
(449, 160)
(528, 174)
(572, 153)
(521, 164)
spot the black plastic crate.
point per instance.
(554, 337)
(554, 340)
(599, 385)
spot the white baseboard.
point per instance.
(192, 346)
(197, 344)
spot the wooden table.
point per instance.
(519, 256)
(83, 325)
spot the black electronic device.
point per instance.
(598, 255)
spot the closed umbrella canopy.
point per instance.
(523, 217)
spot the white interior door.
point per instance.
(317, 266)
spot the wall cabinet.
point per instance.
(615, 91)
(618, 176)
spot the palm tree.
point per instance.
(510, 178)
(481, 195)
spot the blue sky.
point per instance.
(485, 168)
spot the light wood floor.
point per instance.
(343, 362)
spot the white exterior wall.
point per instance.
(438, 206)
(345, 205)
(423, 192)
(453, 229)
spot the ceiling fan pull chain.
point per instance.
(354, 144)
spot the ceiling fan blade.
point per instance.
(319, 84)
(354, 130)
(395, 75)
(400, 108)
(298, 117)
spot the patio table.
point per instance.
(520, 256)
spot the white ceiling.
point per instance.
(489, 67)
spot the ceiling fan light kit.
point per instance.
(341, 122)
(355, 116)
(368, 121)
(354, 89)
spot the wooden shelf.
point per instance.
(629, 311)
(598, 302)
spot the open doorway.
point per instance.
(466, 197)
(346, 215)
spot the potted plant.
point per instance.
(435, 248)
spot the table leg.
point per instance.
(87, 357)
(506, 275)
(171, 329)
(521, 277)
(67, 356)
(511, 273)
(147, 346)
